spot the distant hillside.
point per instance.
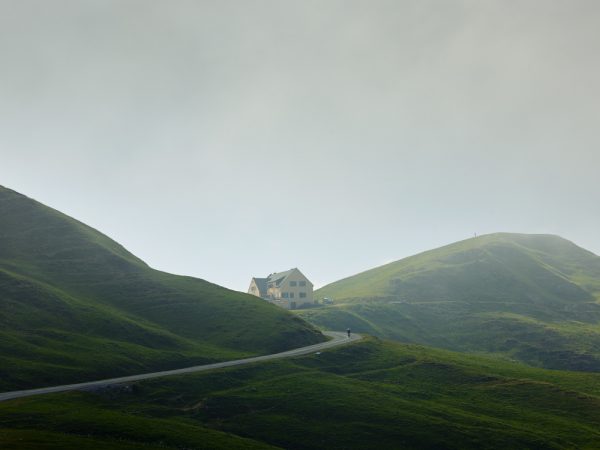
(75, 305)
(528, 297)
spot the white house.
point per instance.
(289, 289)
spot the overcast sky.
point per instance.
(230, 139)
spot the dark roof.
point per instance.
(278, 277)
(261, 284)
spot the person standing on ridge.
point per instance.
(348, 331)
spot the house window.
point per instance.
(302, 283)
(291, 295)
(285, 295)
(293, 283)
(302, 294)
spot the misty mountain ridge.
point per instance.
(75, 305)
(527, 267)
(528, 297)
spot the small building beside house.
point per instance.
(289, 289)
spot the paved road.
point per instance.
(339, 338)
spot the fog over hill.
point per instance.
(530, 297)
(224, 139)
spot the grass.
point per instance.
(373, 393)
(568, 345)
(511, 267)
(528, 297)
(76, 306)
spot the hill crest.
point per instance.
(541, 248)
(535, 298)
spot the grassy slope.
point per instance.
(375, 393)
(75, 305)
(529, 297)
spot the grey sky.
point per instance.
(231, 139)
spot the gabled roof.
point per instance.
(275, 278)
(261, 284)
(278, 277)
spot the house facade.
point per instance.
(289, 289)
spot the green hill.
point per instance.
(75, 305)
(372, 394)
(529, 297)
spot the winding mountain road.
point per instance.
(338, 338)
